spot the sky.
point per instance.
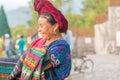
(13, 4)
(76, 6)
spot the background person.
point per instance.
(8, 45)
(16, 43)
(21, 45)
(68, 36)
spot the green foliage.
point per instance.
(74, 20)
(4, 28)
(33, 22)
(91, 9)
(20, 29)
(57, 3)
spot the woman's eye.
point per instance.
(40, 26)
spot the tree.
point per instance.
(33, 22)
(20, 29)
(91, 9)
(74, 20)
(59, 3)
(4, 27)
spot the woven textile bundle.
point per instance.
(6, 67)
(32, 64)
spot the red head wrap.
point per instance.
(45, 6)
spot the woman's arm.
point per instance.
(48, 66)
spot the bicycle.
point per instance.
(85, 66)
(113, 49)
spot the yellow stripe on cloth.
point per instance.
(21, 58)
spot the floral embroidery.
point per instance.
(54, 60)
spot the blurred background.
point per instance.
(19, 17)
(95, 26)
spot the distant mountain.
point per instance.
(18, 16)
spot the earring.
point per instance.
(55, 33)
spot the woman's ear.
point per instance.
(56, 27)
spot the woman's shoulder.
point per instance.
(39, 40)
(59, 43)
(62, 41)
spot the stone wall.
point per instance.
(83, 46)
(114, 3)
(105, 33)
(83, 41)
(114, 21)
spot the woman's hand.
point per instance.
(48, 66)
(42, 76)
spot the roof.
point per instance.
(102, 18)
(114, 3)
(83, 32)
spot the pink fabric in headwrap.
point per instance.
(45, 6)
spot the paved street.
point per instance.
(106, 67)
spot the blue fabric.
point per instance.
(60, 58)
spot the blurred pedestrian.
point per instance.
(21, 45)
(16, 43)
(8, 45)
(68, 36)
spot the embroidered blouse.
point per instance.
(58, 54)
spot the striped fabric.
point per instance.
(34, 57)
(29, 65)
(58, 55)
(6, 67)
(5, 71)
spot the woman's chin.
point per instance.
(43, 37)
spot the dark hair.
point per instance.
(22, 36)
(49, 18)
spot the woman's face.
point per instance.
(45, 28)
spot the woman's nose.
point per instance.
(39, 30)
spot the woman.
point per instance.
(54, 61)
